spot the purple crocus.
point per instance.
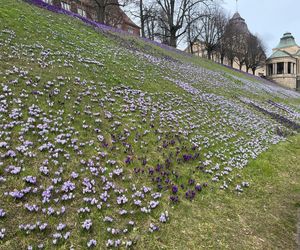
(174, 198)
(164, 217)
(2, 213)
(198, 187)
(87, 224)
(190, 194)
(174, 189)
(191, 181)
(91, 243)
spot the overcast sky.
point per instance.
(268, 18)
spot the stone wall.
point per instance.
(285, 81)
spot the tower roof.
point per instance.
(238, 22)
(286, 41)
(237, 16)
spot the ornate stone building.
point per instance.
(87, 8)
(283, 66)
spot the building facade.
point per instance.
(283, 66)
(87, 8)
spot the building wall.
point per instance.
(285, 78)
(199, 50)
(285, 81)
(130, 29)
(90, 12)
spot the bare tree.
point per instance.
(213, 23)
(173, 18)
(256, 55)
(234, 40)
(193, 30)
(150, 16)
(222, 22)
(228, 44)
(241, 49)
(142, 17)
(146, 11)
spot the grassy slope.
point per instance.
(262, 217)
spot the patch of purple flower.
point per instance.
(190, 194)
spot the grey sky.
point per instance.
(268, 18)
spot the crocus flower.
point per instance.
(87, 224)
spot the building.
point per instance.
(87, 8)
(283, 66)
(240, 26)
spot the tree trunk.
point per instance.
(222, 59)
(142, 18)
(240, 66)
(231, 63)
(191, 47)
(152, 29)
(209, 54)
(148, 28)
(100, 13)
(253, 71)
(173, 38)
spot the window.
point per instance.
(66, 6)
(280, 68)
(270, 69)
(47, 1)
(130, 30)
(81, 12)
(289, 68)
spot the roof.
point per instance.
(298, 53)
(237, 16)
(279, 53)
(286, 41)
(239, 23)
(128, 21)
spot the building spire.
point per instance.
(237, 7)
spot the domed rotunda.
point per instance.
(283, 66)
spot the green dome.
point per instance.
(286, 41)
